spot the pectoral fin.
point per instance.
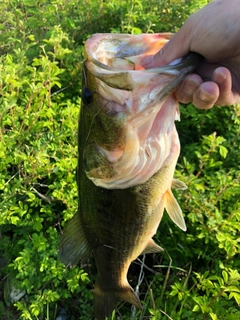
(174, 211)
(152, 247)
(73, 245)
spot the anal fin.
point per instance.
(152, 247)
(73, 245)
(173, 209)
(178, 185)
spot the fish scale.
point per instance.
(128, 148)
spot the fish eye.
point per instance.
(86, 96)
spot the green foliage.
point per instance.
(41, 52)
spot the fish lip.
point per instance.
(169, 69)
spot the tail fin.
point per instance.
(105, 301)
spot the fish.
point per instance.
(128, 147)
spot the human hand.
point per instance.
(212, 32)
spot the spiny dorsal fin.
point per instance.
(174, 211)
(178, 185)
(73, 245)
(152, 247)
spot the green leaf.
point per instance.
(196, 308)
(236, 296)
(225, 276)
(213, 316)
(223, 151)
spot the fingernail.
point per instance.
(220, 77)
(189, 88)
(205, 96)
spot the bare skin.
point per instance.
(213, 32)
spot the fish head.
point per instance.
(128, 113)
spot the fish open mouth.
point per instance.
(139, 102)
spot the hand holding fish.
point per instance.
(212, 32)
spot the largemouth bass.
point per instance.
(128, 150)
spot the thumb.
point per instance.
(177, 47)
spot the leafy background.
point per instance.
(41, 53)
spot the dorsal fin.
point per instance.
(173, 209)
(73, 245)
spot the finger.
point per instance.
(206, 95)
(177, 47)
(184, 93)
(223, 79)
(228, 95)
